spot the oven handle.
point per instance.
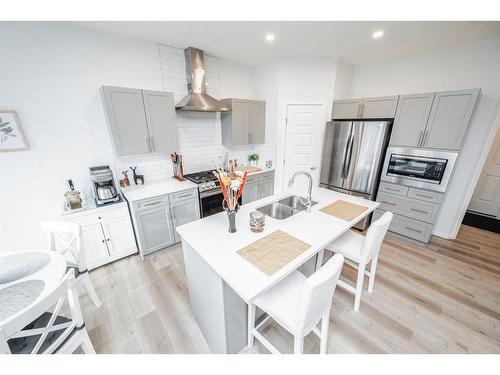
(206, 194)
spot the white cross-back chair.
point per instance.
(298, 303)
(52, 325)
(65, 238)
(359, 251)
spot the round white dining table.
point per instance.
(26, 277)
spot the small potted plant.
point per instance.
(253, 159)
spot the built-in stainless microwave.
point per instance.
(425, 169)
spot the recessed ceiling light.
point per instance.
(270, 38)
(378, 34)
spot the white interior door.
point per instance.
(303, 143)
(486, 197)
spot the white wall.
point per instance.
(467, 66)
(50, 73)
(292, 81)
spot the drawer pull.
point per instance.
(152, 203)
(420, 211)
(389, 203)
(392, 189)
(184, 196)
(424, 196)
(413, 229)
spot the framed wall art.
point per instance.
(12, 137)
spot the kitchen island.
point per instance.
(221, 282)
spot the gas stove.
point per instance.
(206, 181)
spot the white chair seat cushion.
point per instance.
(349, 245)
(282, 300)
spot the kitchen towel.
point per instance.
(273, 252)
(344, 210)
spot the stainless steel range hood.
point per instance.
(197, 98)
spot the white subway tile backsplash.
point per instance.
(199, 133)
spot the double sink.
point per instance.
(285, 207)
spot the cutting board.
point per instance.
(249, 169)
(344, 210)
(273, 252)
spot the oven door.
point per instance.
(418, 168)
(211, 202)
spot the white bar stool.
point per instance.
(358, 251)
(298, 303)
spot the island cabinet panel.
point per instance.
(140, 121)
(449, 119)
(245, 124)
(411, 119)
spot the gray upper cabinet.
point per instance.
(381, 107)
(257, 117)
(411, 119)
(141, 121)
(346, 109)
(161, 120)
(245, 124)
(434, 120)
(367, 108)
(127, 120)
(449, 119)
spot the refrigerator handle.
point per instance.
(347, 150)
(348, 155)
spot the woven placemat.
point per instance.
(273, 252)
(344, 210)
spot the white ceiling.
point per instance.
(351, 41)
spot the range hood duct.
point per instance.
(197, 98)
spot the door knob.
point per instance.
(313, 168)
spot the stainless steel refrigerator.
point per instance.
(353, 154)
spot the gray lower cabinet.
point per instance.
(415, 210)
(250, 192)
(184, 212)
(245, 124)
(140, 121)
(156, 218)
(154, 228)
(434, 120)
(258, 186)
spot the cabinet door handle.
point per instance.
(389, 203)
(420, 138)
(420, 211)
(185, 195)
(102, 241)
(424, 196)
(424, 139)
(107, 239)
(152, 143)
(413, 229)
(151, 204)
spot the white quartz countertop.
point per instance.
(210, 238)
(156, 188)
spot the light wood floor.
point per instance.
(443, 298)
